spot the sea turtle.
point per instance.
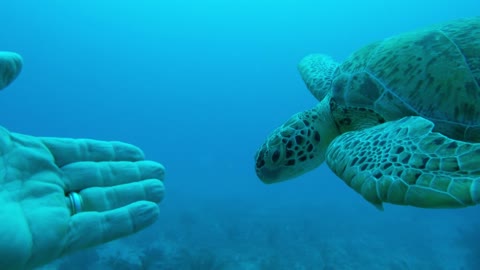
(10, 66)
(398, 121)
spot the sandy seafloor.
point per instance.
(228, 234)
(290, 240)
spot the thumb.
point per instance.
(10, 66)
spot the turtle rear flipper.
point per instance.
(404, 162)
(317, 71)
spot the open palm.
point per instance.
(120, 192)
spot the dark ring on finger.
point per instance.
(75, 202)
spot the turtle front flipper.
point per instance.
(405, 162)
(318, 71)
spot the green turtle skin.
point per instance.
(398, 121)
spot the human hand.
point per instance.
(10, 66)
(113, 188)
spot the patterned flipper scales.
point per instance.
(404, 162)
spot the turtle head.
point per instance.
(296, 147)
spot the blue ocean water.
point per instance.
(198, 85)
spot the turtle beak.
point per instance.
(268, 165)
(268, 176)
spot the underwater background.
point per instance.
(199, 85)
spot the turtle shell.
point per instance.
(433, 72)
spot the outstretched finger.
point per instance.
(66, 150)
(88, 229)
(104, 199)
(81, 175)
